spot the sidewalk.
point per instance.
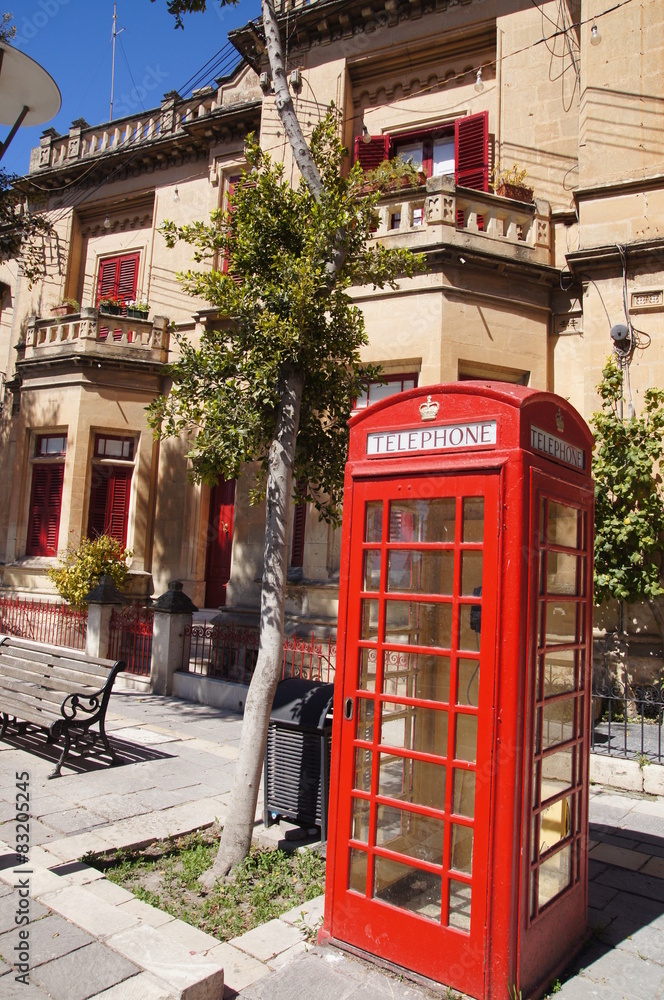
(90, 938)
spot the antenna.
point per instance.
(113, 37)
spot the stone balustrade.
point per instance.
(444, 213)
(94, 331)
(84, 141)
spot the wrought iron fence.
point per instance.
(628, 718)
(130, 638)
(229, 653)
(44, 621)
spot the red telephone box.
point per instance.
(459, 785)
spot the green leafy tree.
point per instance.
(629, 501)
(339, 229)
(276, 383)
(81, 568)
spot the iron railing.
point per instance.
(628, 718)
(229, 653)
(130, 638)
(44, 621)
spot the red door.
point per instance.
(415, 758)
(220, 543)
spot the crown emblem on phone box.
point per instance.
(429, 410)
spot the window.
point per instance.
(230, 188)
(381, 390)
(460, 148)
(110, 487)
(48, 471)
(118, 276)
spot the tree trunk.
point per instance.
(301, 152)
(238, 826)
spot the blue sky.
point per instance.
(71, 39)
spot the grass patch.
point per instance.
(165, 875)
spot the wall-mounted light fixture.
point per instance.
(265, 83)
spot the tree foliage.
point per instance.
(629, 501)
(82, 568)
(284, 313)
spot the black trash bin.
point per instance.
(297, 757)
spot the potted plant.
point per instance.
(391, 175)
(66, 307)
(511, 184)
(111, 304)
(138, 310)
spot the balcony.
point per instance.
(447, 215)
(92, 332)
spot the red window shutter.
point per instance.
(118, 276)
(98, 494)
(45, 507)
(128, 277)
(109, 502)
(118, 504)
(370, 154)
(299, 524)
(108, 270)
(471, 143)
(232, 181)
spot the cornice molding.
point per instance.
(333, 20)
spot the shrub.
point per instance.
(81, 568)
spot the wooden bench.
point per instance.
(59, 689)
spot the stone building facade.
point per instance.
(568, 90)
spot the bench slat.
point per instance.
(42, 658)
(26, 646)
(55, 671)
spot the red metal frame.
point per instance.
(531, 447)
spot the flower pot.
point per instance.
(113, 310)
(518, 192)
(63, 310)
(137, 313)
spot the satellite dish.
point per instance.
(28, 94)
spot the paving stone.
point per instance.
(307, 915)
(143, 736)
(240, 969)
(190, 937)
(633, 882)
(109, 891)
(145, 913)
(11, 990)
(654, 866)
(74, 848)
(268, 940)
(286, 957)
(189, 977)
(8, 907)
(646, 943)
(77, 873)
(80, 975)
(42, 880)
(49, 938)
(117, 806)
(639, 979)
(620, 856)
(94, 915)
(140, 987)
